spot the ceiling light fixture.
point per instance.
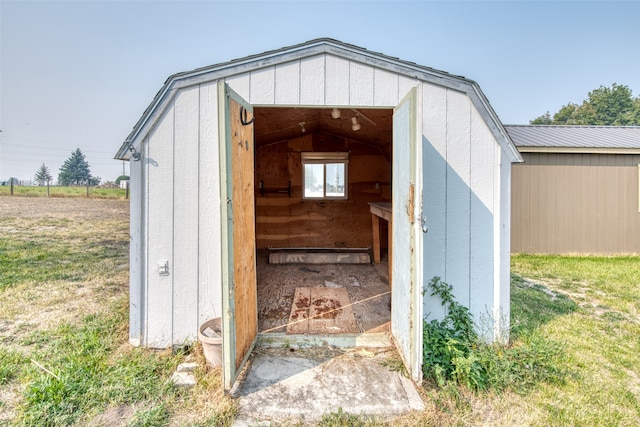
(302, 129)
(355, 126)
(335, 113)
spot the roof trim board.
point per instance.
(578, 150)
(309, 49)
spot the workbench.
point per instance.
(381, 210)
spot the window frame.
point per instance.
(325, 158)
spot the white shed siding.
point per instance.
(434, 200)
(464, 198)
(287, 83)
(360, 84)
(461, 158)
(159, 219)
(312, 80)
(502, 237)
(209, 258)
(337, 77)
(136, 253)
(458, 194)
(185, 219)
(262, 86)
(385, 90)
(484, 163)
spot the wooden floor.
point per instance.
(366, 284)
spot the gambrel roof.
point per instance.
(306, 50)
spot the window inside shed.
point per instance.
(325, 175)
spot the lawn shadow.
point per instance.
(533, 305)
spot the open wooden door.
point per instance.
(239, 293)
(406, 292)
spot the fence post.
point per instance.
(47, 188)
(11, 179)
(87, 188)
(126, 192)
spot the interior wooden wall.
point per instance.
(290, 221)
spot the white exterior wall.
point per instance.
(464, 199)
(180, 195)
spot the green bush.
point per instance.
(454, 354)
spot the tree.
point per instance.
(43, 175)
(75, 170)
(120, 178)
(605, 106)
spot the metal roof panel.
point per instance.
(551, 136)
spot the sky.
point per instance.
(80, 74)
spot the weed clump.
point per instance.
(454, 354)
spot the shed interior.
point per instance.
(285, 219)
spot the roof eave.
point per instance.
(578, 150)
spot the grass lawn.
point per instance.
(55, 191)
(65, 357)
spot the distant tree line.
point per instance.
(605, 106)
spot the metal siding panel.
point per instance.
(160, 226)
(287, 90)
(360, 84)
(337, 81)
(185, 217)
(262, 89)
(434, 152)
(458, 194)
(312, 80)
(209, 240)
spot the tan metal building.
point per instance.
(577, 191)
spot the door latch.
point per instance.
(423, 224)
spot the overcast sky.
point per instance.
(80, 74)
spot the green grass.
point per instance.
(84, 375)
(55, 191)
(63, 305)
(64, 352)
(592, 306)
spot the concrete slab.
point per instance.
(300, 385)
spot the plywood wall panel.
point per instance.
(284, 221)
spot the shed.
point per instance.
(578, 190)
(305, 148)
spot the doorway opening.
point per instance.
(302, 214)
